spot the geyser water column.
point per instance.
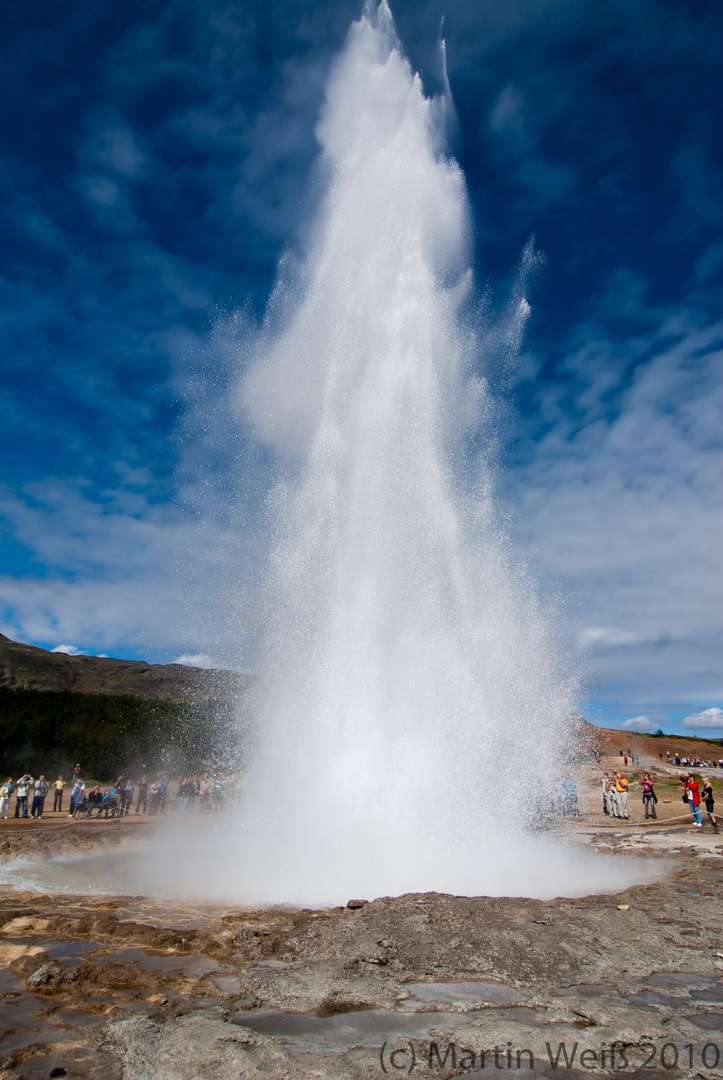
(415, 705)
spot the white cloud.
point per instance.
(645, 725)
(118, 149)
(102, 191)
(618, 505)
(599, 637)
(708, 718)
(126, 575)
(518, 129)
(508, 111)
(69, 650)
(199, 660)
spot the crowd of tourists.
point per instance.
(615, 791)
(690, 763)
(204, 793)
(695, 797)
(615, 795)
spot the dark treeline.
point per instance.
(48, 732)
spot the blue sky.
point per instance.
(157, 160)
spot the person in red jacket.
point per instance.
(692, 794)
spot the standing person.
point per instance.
(182, 798)
(126, 798)
(6, 792)
(611, 796)
(77, 789)
(649, 796)
(163, 792)
(621, 794)
(58, 786)
(572, 807)
(707, 796)
(154, 796)
(692, 797)
(142, 796)
(606, 794)
(42, 787)
(76, 772)
(22, 788)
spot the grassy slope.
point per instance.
(25, 667)
(611, 742)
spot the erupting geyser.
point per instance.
(416, 705)
(414, 717)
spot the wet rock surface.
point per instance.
(126, 988)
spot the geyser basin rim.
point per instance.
(157, 868)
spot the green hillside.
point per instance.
(108, 734)
(26, 667)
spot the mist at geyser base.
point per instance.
(414, 711)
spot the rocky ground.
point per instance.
(423, 985)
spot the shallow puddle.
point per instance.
(710, 993)
(20, 1021)
(27, 1022)
(71, 953)
(458, 993)
(192, 965)
(368, 1028)
(79, 1018)
(707, 1021)
(650, 997)
(586, 990)
(676, 979)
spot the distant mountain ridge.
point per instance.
(26, 667)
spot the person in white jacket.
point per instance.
(22, 789)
